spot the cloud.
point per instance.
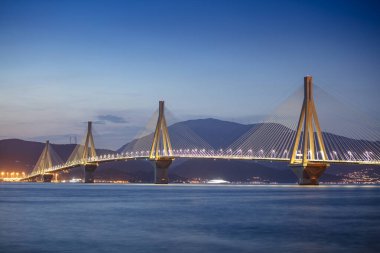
(111, 118)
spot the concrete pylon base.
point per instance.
(309, 174)
(46, 178)
(89, 171)
(161, 171)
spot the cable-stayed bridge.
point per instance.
(299, 140)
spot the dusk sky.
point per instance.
(63, 63)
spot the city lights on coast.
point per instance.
(12, 176)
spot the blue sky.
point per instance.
(66, 62)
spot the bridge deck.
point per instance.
(111, 158)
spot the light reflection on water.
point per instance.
(188, 218)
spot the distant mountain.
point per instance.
(22, 155)
(220, 134)
(217, 133)
(18, 154)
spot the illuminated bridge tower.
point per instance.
(304, 164)
(89, 167)
(161, 151)
(44, 163)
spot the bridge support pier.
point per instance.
(46, 178)
(89, 171)
(309, 174)
(161, 171)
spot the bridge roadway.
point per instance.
(184, 155)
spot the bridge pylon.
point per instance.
(161, 151)
(44, 162)
(304, 165)
(89, 167)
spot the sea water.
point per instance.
(188, 218)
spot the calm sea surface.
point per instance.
(187, 218)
